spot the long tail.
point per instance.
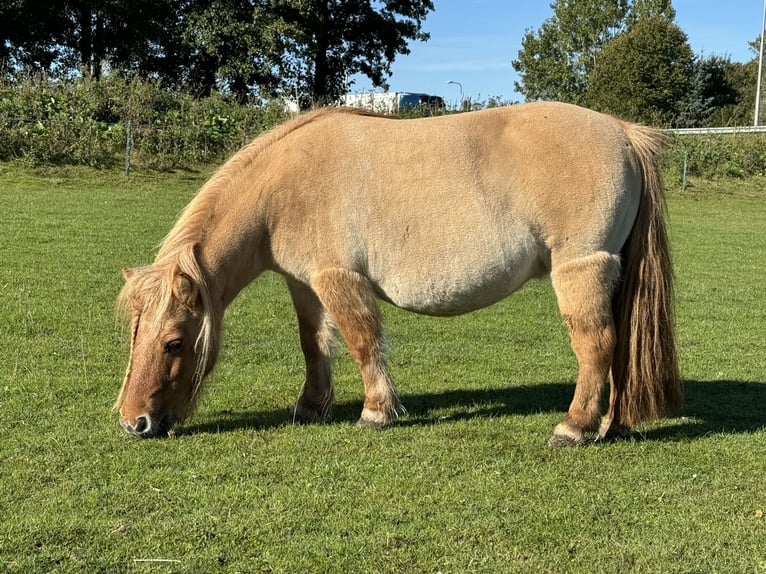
(645, 365)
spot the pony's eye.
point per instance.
(174, 347)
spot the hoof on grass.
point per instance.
(565, 435)
(306, 416)
(611, 431)
(373, 419)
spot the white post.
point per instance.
(760, 71)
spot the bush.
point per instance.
(83, 121)
(713, 156)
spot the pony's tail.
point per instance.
(645, 367)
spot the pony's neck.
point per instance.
(226, 221)
(227, 237)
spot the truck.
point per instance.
(392, 102)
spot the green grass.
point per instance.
(464, 483)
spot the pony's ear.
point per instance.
(127, 273)
(187, 292)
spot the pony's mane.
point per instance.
(195, 218)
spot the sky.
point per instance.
(473, 43)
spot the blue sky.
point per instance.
(474, 41)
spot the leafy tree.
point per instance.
(222, 44)
(327, 41)
(28, 33)
(69, 35)
(742, 78)
(643, 74)
(246, 47)
(555, 61)
(647, 8)
(709, 90)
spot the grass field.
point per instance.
(464, 483)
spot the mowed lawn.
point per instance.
(463, 483)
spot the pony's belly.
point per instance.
(458, 292)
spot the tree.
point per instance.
(709, 91)
(742, 78)
(29, 30)
(555, 61)
(225, 44)
(328, 41)
(245, 47)
(643, 74)
(70, 35)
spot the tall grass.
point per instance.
(464, 483)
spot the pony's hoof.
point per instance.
(564, 435)
(373, 419)
(611, 431)
(363, 423)
(306, 416)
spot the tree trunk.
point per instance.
(320, 91)
(85, 18)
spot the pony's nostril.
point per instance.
(142, 425)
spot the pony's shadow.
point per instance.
(710, 407)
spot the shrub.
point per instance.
(83, 121)
(50, 121)
(712, 156)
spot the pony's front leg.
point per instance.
(317, 334)
(351, 302)
(584, 290)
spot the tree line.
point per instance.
(249, 48)
(626, 57)
(631, 59)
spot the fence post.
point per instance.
(683, 177)
(128, 146)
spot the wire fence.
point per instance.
(172, 143)
(180, 142)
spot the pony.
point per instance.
(440, 216)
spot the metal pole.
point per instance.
(128, 146)
(459, 85)
(760, 71)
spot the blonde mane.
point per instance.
(196, 218)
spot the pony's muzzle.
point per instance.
(146, 426)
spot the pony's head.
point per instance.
(172, 344)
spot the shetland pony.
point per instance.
(441, 216)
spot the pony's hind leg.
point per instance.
(611, 427)
(351, 302)
(317, 334)
(584, 288)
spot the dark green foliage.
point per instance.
(630, 58)
(709, 90)
(245, 47)
(555, 62)
(740, 155)
(84, 121)
(329, 41)
(644, 74)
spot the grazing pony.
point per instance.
(441, 216)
